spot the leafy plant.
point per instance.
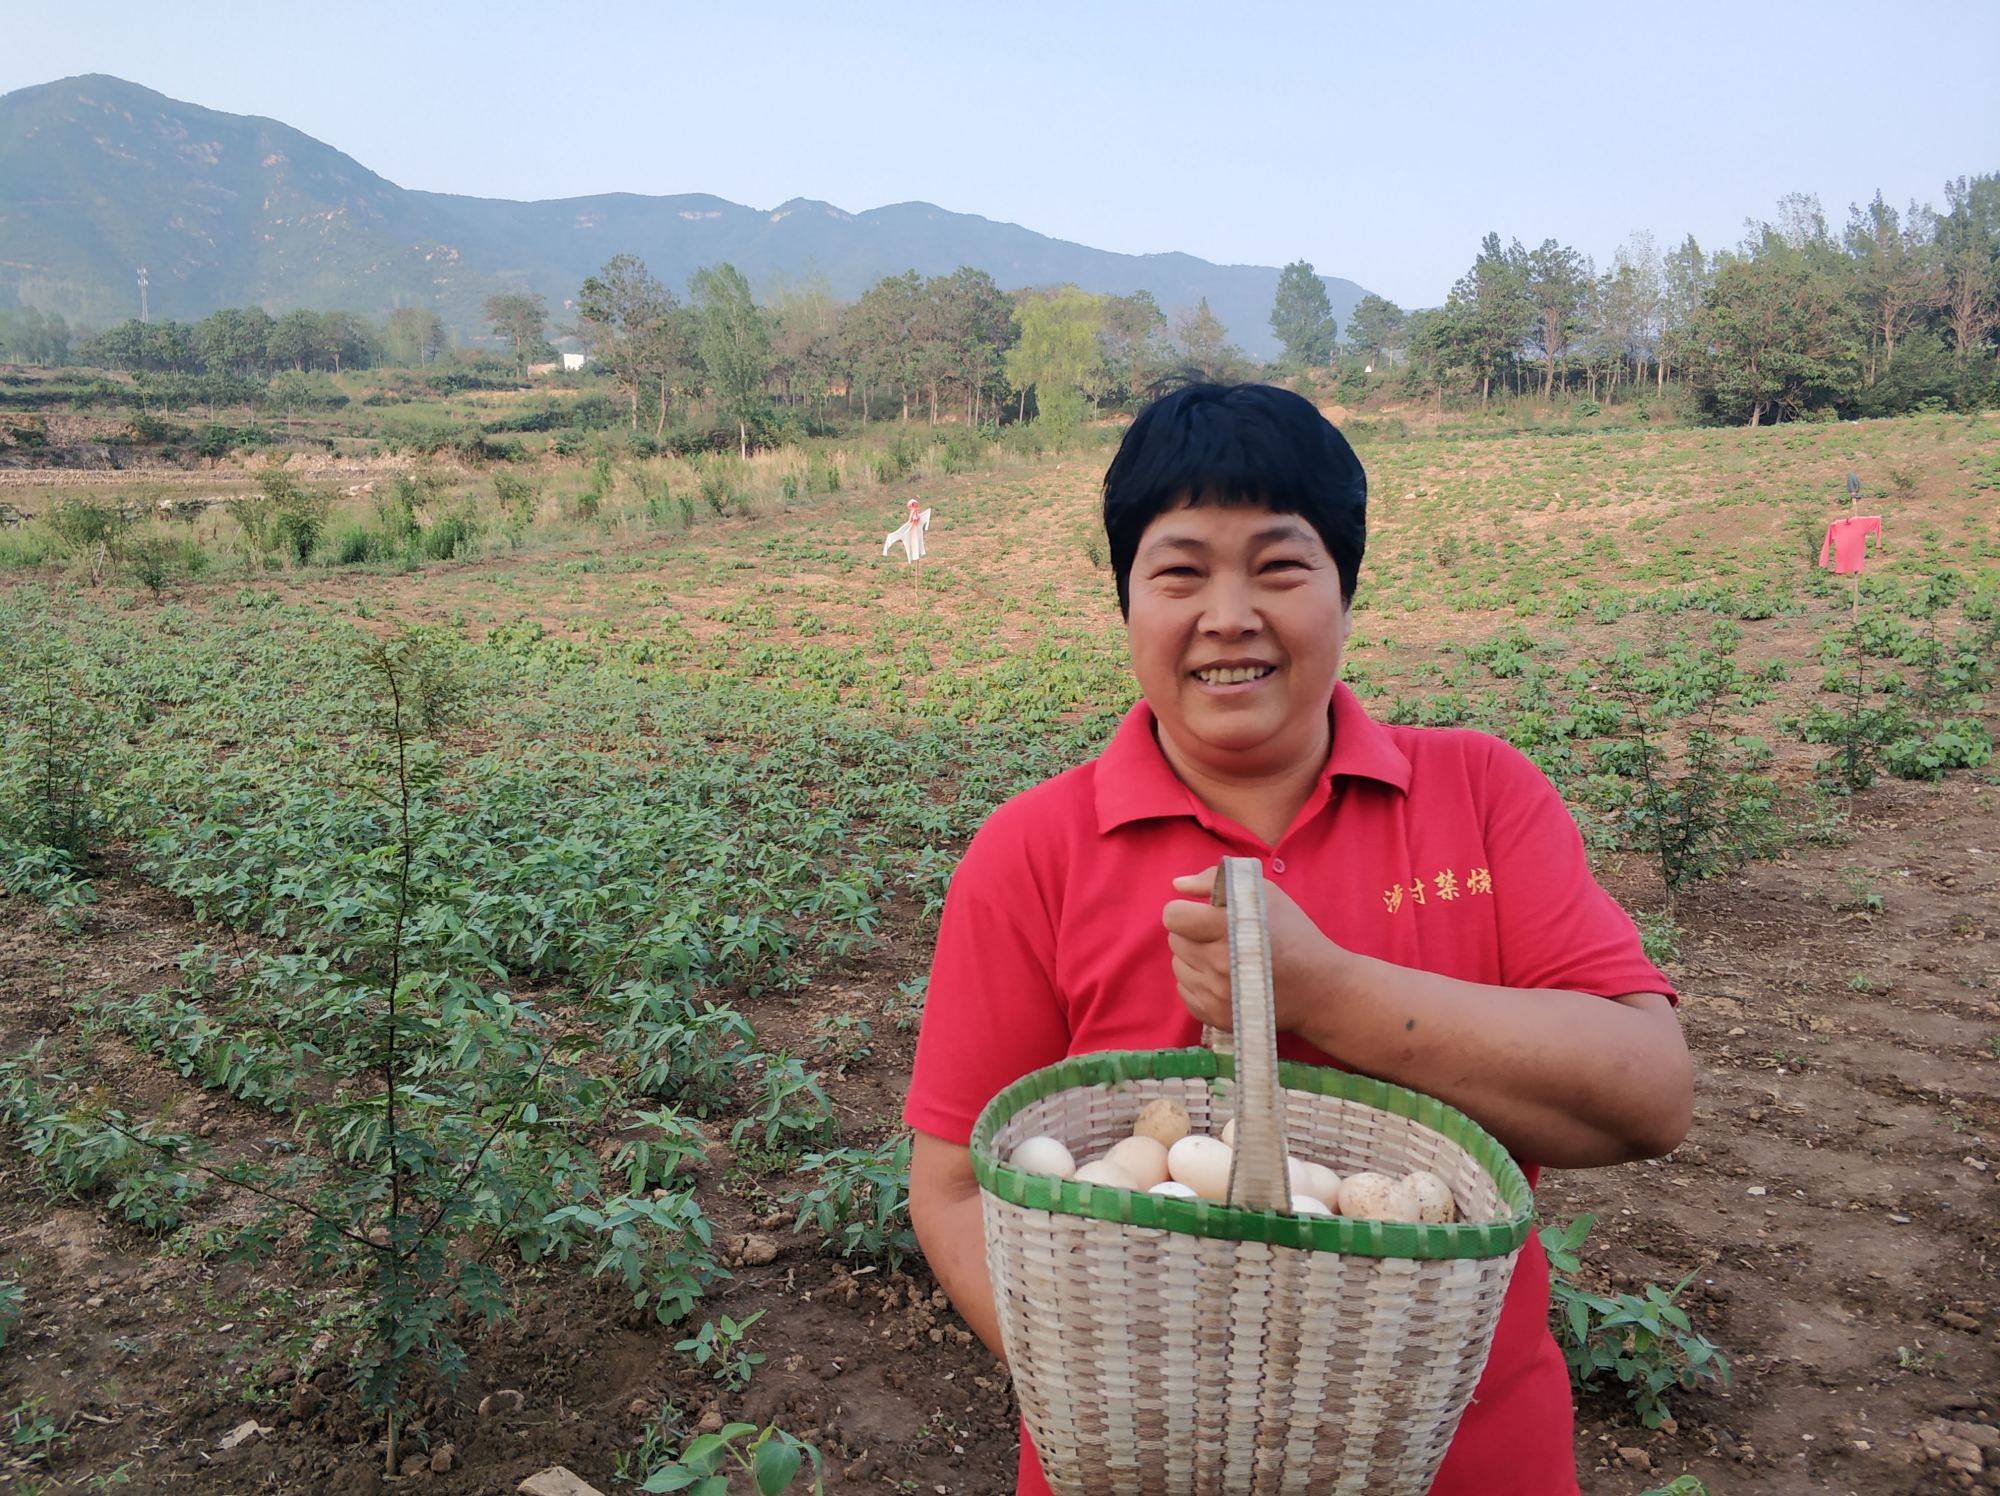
(861, 1201)
(1646, 1341)
(790, 1108)
(1704, 809)
(771, 1458)
(13, 1303)
(718, 1344)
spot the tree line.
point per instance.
(244, 341)
(1896, 312)
(1899, 311)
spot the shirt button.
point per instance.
(1277, 864)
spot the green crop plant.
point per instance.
(718, 1345)
(1644, 1341)
(860, 1201)
(772, 1460)
(13, 1304)
(1702, 807)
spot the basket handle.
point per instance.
(1258, 1177)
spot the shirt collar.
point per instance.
(1134, 781)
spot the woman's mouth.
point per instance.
(1233, 675)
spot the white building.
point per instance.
(574, 361)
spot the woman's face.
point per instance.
(1236, 627)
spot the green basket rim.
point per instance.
(1494, 1238)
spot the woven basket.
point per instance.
(1165, 1347)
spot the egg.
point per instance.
(1375, 1197)
(1043, 1155)
(1202, 1164)
(1104, 1171)
(1432, 1197)
(1164, 1120)
(1143, 1159)
(1318, 1181)
(1307, 1205)
(1173, 1189)
(1229, 1132)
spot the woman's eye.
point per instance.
(1284, 562)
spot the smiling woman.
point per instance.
(1433, 920)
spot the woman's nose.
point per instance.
(1231, 612)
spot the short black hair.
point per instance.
(1253, 444)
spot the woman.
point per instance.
(1433, 918)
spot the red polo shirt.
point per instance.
(1439, 849)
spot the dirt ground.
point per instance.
(1836, 1199)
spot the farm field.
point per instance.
(647, 831)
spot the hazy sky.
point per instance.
(1378, 142)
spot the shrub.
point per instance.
(454, 535)
(155, 562)
(82, 526)
(357, 544)
(717, 486)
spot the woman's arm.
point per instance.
(1567, 1079)
(944, 1207)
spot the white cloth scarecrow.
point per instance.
(911, 534)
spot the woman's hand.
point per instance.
(1198, 936)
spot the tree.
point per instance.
(143, 347)
(978, 328)
(414, 336)
(31, 336)
(1774, 335)
(1059, 351)
(1130, 334)
(805, 338)
(1202, 339)
(294, 341)
(881, 332)
(1898, 273)
(635, 328)
(735, 345)
(522, 318)
(1685, 273)
(1302, 317)
(345, 339)
(1376, 328)
(1557, 287)
(1969, 245)
(1487, 315)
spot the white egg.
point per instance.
(1229, 1132)
(1104, 1171)
(1202, 1164)
(1432, 1196)
(1144, 1159)
(1173, 1189)
(1164, 1120)
(1043, 1155)
(1370, 1196)
(1307, 1205)
(1318, 1181)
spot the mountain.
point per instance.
(99, 177)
